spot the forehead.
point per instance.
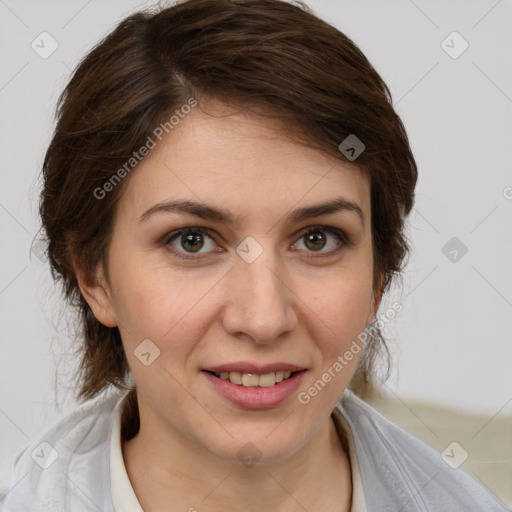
(248, 164)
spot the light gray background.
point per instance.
(451, 344)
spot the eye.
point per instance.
(195, 242)
(189, 241)
(324, 240)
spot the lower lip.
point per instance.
(256, 397)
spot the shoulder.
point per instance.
(67, 466)
(399, 470)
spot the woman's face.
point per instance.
(267, 280)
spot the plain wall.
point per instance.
(451, 343)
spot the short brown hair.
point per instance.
(271, 56)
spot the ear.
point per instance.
(97, 293)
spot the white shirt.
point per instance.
(76, 465)
(125, 500)
(123, 495)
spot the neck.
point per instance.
(162, 471)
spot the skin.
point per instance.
(292, 304)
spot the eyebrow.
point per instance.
(208, 212)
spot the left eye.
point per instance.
(320, 238)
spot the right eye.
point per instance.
(189, 241)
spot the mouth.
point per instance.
(253, 380)
(255, 387)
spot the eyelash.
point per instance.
(344, 240)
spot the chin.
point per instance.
(256, 449)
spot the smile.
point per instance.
(252, 380)
(255, 387)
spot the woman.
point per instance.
(224, 200)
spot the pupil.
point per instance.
(192, 241)
(315, 238)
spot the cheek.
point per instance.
(161, 304)
(342, 311)
(343, 304)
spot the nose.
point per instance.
(261, 303)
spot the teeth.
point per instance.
(234, 377)
(252, 380)
(267, 380)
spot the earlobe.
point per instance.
(96, 292)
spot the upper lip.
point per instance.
(260, 369)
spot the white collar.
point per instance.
(125, 500)
(123, 495)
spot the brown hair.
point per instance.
(274, 57)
